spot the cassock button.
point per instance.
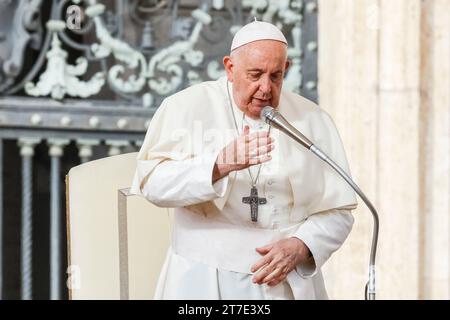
(271, 196)
(270, 182)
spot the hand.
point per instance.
(279, 259)
(245, 151)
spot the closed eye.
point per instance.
(276, 76)
(254, 75)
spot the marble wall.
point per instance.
(384, 76)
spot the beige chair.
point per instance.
(112, 253)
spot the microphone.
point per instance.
(276, 120)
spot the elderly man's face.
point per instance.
(257, 70)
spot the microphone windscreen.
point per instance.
(266, 112)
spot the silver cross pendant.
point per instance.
(254, 201)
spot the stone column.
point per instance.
(384, 78)
(434, 152)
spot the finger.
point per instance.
(258, 134)
(240, 151)
(259, 160)
(265, 271)
(253, 159)
(274, 275)
(262, 262)
(262, 142)
(262, 273)
(276, 281)
(264, 249)
(246, 131)
(261, 151)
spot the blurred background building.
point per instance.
(80, 80)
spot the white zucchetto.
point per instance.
(257, 30)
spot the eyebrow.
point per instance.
(262, 71)
(255, 70)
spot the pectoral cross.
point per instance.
(254, 201)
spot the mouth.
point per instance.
(263, 102)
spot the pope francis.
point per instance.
(256, 215)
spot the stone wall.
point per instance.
(384, 76)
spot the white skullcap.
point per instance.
(257, 30)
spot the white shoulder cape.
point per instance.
(198, 120)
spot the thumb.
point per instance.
(265, 249)
(246, 130)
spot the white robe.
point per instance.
(213, 239)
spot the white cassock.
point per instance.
(213, 238)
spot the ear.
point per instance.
(287, 65)
(228, 66)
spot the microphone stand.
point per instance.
(369, 293)
(277, 120)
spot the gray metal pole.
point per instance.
(56, 151)
(27, 152)
(55, 241)
(370, 293)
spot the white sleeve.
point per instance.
(323, 233)
(178, 183)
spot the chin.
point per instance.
(256, 111)
(261, 104)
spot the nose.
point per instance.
(265, 86)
